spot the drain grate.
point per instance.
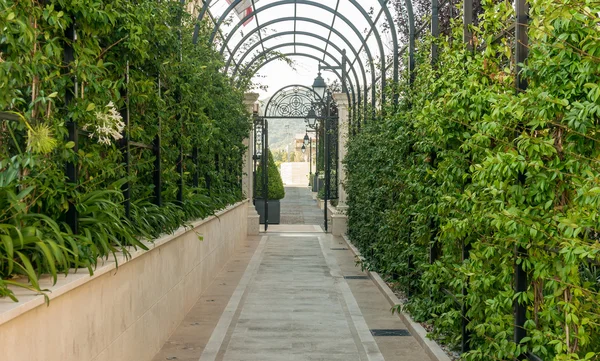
(356, 277)
(389, 332)
(339, 249)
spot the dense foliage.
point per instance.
(275, 188)
(469, 161)
(175, 91)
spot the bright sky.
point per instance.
(278, 74)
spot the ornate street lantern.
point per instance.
(311, 119)
(306, 138)
(303, 148)
(319, 86)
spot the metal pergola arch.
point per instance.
(360, 63)
(337, 14)
(270, 50)
(310, 56)
(304, 33)
(303, 55)
(354, 90)
(310, 3)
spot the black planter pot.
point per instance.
(274, 210)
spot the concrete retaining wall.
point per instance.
(123, 314)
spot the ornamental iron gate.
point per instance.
(261, 159)
(294, 102)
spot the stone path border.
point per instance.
(359, 323)
(218, 336)
(433, 350)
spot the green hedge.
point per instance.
(195, 106)
(467, 160)
(275, 186)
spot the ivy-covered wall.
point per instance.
(469, 161)
(175, 91)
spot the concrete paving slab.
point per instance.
(284, 297)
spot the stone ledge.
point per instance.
(433, 350)
(29, 300)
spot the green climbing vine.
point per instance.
(469, 161)
(175, 90)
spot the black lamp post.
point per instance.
(326, 98)
(310, 158)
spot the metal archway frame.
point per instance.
(310, 3)
(384, 9)
(254, 71)
(304, 33)
(262, 54)
(371, 63)
(281, 90)
(362, 70)
(268, 51)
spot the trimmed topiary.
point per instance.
(276, 190)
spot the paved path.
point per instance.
(295, 308)
(284, 297)
(298, 207)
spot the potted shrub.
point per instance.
(275, 192)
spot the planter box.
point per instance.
(123, 314)
(274, 210)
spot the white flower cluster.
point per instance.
(108, 125)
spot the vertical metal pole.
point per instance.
(180, 172)
(157, 160)
(69, 57)
(265, 162)
(126, 188)
(310, 159)
(467, 22)
(466, 334)
(178, 98)
(254, 160)
(468, 39)
(344, 74)
(196, 181)
(521, 54)
(316, 177)
(435, 29)
(411, 40)
(326, 157)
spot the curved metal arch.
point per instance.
(305, 33)
(311, 46)
(267, 51)
(372, 66)
(391, 24)
(310, 3)
(295, 53)
(290, 86)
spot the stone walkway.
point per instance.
(298, 207)
(293, 301)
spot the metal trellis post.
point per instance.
(126, 188)
(520, 310)
(69, 57)
(157, 172)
